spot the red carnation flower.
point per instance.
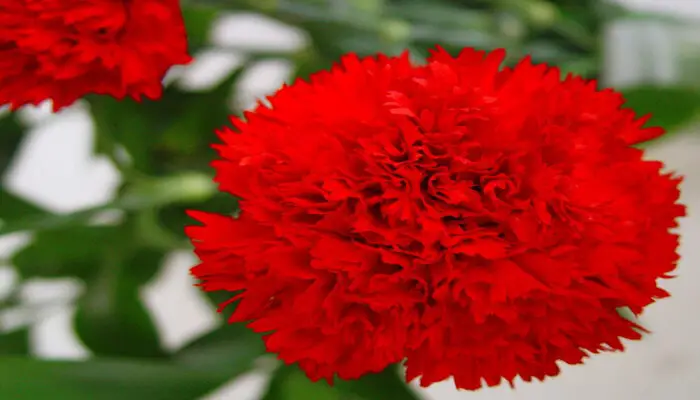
(479, 222)
(63, 50)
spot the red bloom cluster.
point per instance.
(64, 49)
(478, 222)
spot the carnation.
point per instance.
(62, 50)
(474, 221)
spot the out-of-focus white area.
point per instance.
(685, 8)
(56, 169)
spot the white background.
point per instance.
(56, 169)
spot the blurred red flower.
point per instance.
(479, 222)
(63, 50)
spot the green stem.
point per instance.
(53, 221)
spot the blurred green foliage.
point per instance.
(162, 150)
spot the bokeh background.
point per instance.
(93, 261)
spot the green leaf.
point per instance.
(143, 263)
(155, 192)
(38, 220)
(14, 208)
(289, 383)
(444, 16)
(671, 107)
(14, 342)
(66, 252)
(386, 385)
(201, 112)
(198, 22)
(123, 123)
(171, 134)
(111, 319)
(104, 379)
(586, 67)
(232, 348)
(11, 135)
(143, 194)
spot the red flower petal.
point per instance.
(482, 223)
(62, 50)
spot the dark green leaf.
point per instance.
(386, 385)
(14, 342)
(11, 135)
(289, 383)
(573, 28)
(201, 112)
(671, 107)
(142, 265)
(331, 45)
(198, 22)
(23, 378)
(231, 347)
(13, 208)
(444, 16)
(68, 252)
(111, 319)
(123, 123)
(144, 194)
(172, 133)
(585, 67)
(37, 220)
